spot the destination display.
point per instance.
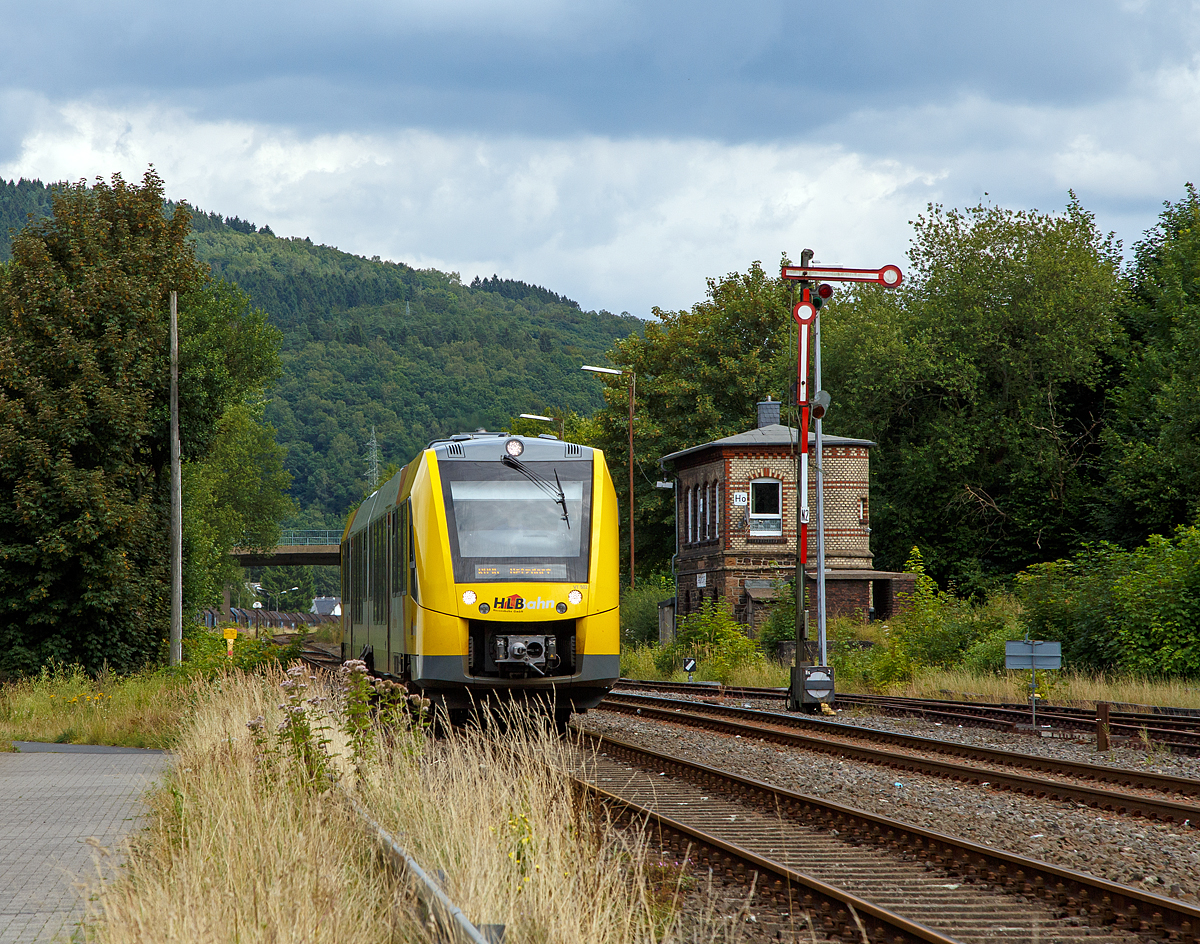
(521, 572)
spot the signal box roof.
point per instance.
(772, 435)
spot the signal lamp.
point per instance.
(820, 404)
(514, 447)
(825, 290)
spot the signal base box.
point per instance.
(812, 685)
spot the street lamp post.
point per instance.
(632, 391)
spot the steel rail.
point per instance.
(1101, 773)
(1098, 900)
(1179, 732)
(825, 740)
(457, 919)
(838, 910)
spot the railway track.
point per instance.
(802, 847)
(1177, 730)
(1176, 800)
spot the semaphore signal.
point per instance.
(806, 312)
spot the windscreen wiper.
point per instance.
(554, 490)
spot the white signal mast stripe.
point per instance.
(888, 275)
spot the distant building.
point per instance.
(736, 524)
(326, 606)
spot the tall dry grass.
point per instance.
(232, 855)
(68, 706)
(1060, 688)
(242, 847)
(497, 814)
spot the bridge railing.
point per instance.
(307, 537)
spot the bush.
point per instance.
(1111, 608)
(780, 625)
(1071, 602)
(938, 629)
(712, 637)
(639, 609)
(637, 662)
(1157, 606)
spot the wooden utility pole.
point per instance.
(176, 497)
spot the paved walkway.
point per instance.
(53, 798)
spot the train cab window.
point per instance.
(507, 526)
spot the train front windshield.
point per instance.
(508, 526)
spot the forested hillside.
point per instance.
(19, 199)
(414, 353)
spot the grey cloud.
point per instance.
(757, 71)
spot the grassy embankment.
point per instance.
(250, 838)
(66, 705)
(926, 681)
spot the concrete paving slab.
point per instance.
(56, 798)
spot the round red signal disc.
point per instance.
(890, 276)
(804, 312)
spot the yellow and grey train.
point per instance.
(488, 566)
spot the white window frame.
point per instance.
(717, 498)
(773, 530)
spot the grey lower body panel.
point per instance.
(445, 677)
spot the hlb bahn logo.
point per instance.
(517, 602)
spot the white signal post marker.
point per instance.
(805, 313)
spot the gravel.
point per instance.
(1163, 859)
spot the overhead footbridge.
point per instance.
(295, 548)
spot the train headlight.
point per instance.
(561, 608)
(575, 597)
(469, 597)
(514, 447)
(484, 608)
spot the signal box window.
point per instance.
(766, 507)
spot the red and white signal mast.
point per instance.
(813, 685)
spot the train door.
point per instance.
(395, 594)
(358, 594)
(377, 568)
(410, 581)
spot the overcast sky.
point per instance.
(618, 152)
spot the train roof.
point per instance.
(480, 446)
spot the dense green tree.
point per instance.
(234, 496)
(1152, 440)
(983, 381)
(83, 426)
(278, 582)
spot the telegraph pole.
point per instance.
(176, 497)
